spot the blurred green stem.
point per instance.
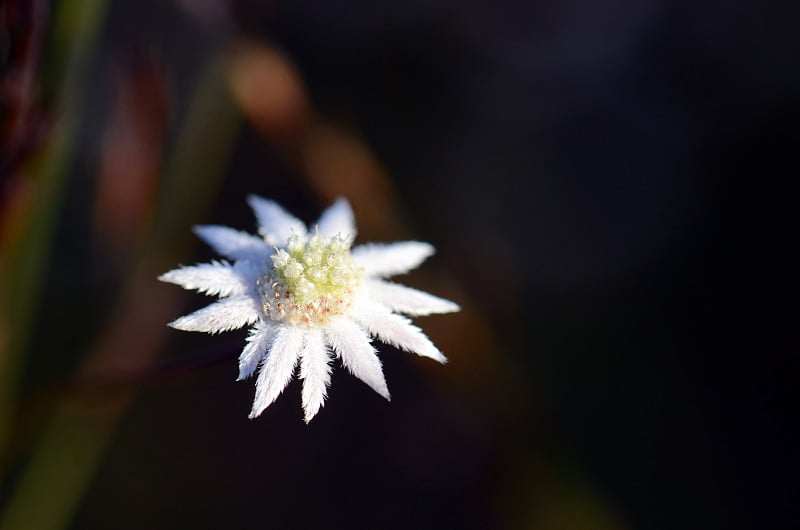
(73, 442)
(75, 29)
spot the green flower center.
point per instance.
(310, 280)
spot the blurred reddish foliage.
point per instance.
(23, 25)
(131, 155)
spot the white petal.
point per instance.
(276, 371)
(338, 219)
(274, 223)
(224, 315)
(315, 371)
(218, 278)
(406, 300)
(396, 330)
(258, 342)
(390, 259)
(233, 243)
(352, 344)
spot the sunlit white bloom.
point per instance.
(309, 298)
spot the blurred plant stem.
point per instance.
(28, 232)
(74, 440)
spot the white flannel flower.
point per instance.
(308, 296)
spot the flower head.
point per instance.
(308, 297)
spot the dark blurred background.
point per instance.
(607, 186)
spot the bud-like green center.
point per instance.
(310, 280)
